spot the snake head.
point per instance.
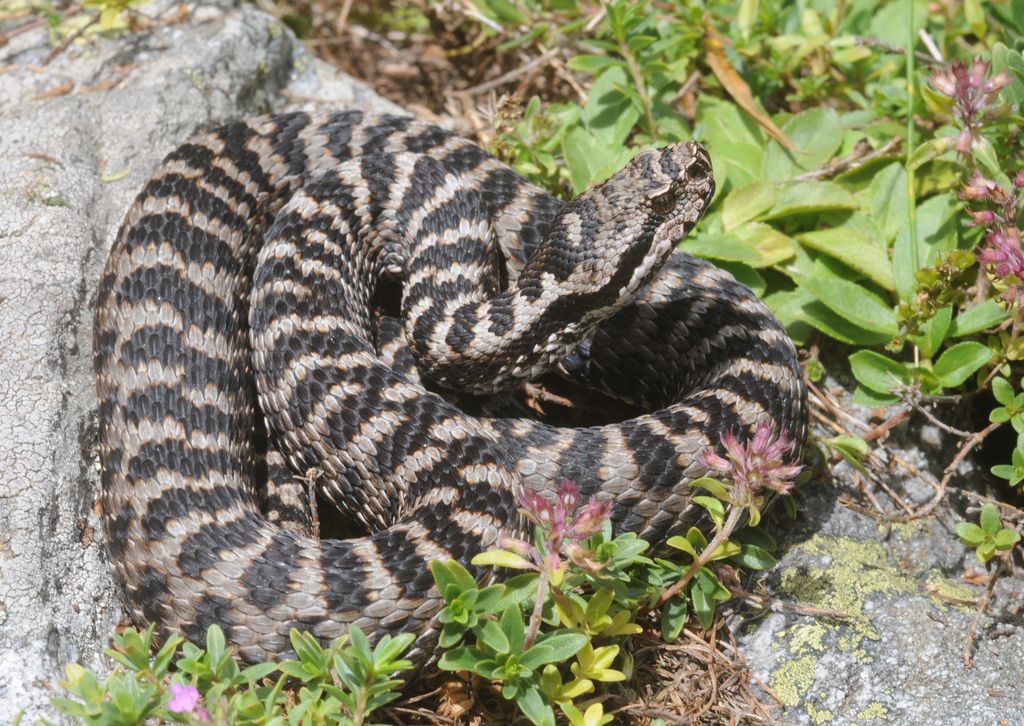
(670, 188)
(608, 243)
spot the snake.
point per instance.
(343, 305)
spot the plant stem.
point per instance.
(704, 557)
(911, 90)
(641, 89)
(538, 609)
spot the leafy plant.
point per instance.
(342, 684)
(988, 536)
(585, 590)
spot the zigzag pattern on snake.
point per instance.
(307, 218)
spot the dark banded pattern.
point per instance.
(243, 362)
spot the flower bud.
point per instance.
(943, 83)
(963, 142)
(569, 494)
(997, 82)
(982, 218)
(514, 544)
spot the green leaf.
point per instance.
(491, 635)
(848, 299)
(696, 538)
(733, 138)
(746, 204)
(929, 150)
(451, 573)
(990, 523)
(936, 234)
(980, 317)
(985, 550)
(712, 485)
(673, 617)
(563, 644)
(799, 307)
(533, 707)
(934, 332)
(681, 543)
(518, 590)
(1002, 389)
(852, 448)
(502, 558)
(999, 415)
(703, 606)
(754, 557)
(770, 244)
(817, 135)
(889, 199)
(609, 114)
(1005, 539)
(890, 21)
(215, 643)
(877, 372)
(714, 507)
(985, 153)
(854, 249)
(957, 363)
(810, 196)
(258, 672)
(969, 533)
(726, 247)
(461, 659)
(592, 63)
(503, 11)
(513, 626)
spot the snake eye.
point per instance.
(663, 204)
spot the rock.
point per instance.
(78, 136)
(898, 659)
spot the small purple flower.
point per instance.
(185, 699)
(757, 464)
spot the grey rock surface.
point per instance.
(78, 136)
(898, 658)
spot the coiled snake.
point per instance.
(309, 218)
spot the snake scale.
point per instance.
(242, 350)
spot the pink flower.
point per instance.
(1002, 253)
(590, 519)
(563, 524)
(537, 509)
(981, 218)
(978, 188)
(185, 699)
(756, 464)
(975, 97)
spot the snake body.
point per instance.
(241, 353)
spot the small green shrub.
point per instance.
(342, 684)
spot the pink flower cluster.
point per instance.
(562, 526)
(759, 463)
(975, 97)
(1000, 254)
